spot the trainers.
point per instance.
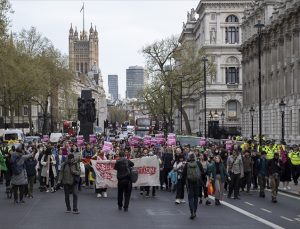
(68, 211)
(75, 211)
(99, 195)
(207, 203)
(120, 208)
(288, 187)
(182, 201)
(177, 201)
(104, 194)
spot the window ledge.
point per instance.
(232, 85)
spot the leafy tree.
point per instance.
(173, 67)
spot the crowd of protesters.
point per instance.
(205, 171)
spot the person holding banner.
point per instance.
(101, 192)
(124, 181)
(87, 154)
(178, 168)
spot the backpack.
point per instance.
(134, 175)
(123, 170)
(193, 172)
(16, 167)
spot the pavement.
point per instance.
(46, 210)
(294, 189)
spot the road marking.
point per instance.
(298, 219)
(249, 203)
(291, 196)
(288, 219)
(263, 209)
(250, 215)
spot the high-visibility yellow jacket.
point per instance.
(295, 157)
(270, 153)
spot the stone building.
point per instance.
(216, 29)
(280, 47)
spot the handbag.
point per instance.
(210, 188)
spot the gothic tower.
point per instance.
(83, 51)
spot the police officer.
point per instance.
(294, 155)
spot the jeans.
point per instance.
(87, 172)
(295, 173)
(180, 189)
(219, 187)
(204, 188)
(167, 180)
(124, 190)
(21, 190)
(247, 181)
(234, 185)
(30, 185)
(71, 189)
(262, 183)
(193, 194)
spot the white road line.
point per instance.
(266, 210)
(288, 219)
(249, 203)
(291, 196)
(298, 219)
(250, 215)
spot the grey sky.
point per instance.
(124, 27)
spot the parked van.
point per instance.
(13, 135)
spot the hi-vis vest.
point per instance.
(270, 153)
(295, 157)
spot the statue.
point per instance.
(193, 15)
(81, 109)
(90, 110)
(213, 36)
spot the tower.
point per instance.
(83, 51)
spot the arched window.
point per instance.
(232, 18)
(232, 31)
(232, 109)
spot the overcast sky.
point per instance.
(124, 27)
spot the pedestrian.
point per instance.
(235, 169)
(192, 175)
(286, 174)
(123, 166)
(262, 173)
(203, 188)
(178, 168)
(248, 170)
(19, 174)
(49, 170)
(68, 177)
(274, 173)
(218, 175)
(87, 154)
(31, 172)
(167, 160)
(101, 192)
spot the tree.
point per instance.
(5, 9)
(176, 67)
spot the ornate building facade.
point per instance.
(217, 31)
(280, 56)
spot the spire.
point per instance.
(91, 29)
(71, 29)
(76, 33)
(96, 32)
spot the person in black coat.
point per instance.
(123, 166)
(193, 185)
(30, 165)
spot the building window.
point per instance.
(232, 109)
(213, 16)
(25, 110)
(77, 67)
(232, 32)
(86, 67)
(232, 18)
(81, 67)
(232, 75)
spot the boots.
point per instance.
(274, 200)
(217, 202)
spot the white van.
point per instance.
(13, 135)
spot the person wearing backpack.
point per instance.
(192, 175)
(123, 167)
(19, 174)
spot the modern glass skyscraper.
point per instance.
(134, 81)
(113, 88)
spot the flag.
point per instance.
(82, 8)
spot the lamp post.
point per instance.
(204, 59)
(259, 27)
(210, 123)
(199, 126)
(164, 112)
(181, 104)
(252, 117)
(222, 118)
(282, 107)
(171, 89)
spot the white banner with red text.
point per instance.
(147, 167)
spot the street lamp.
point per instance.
(181, 104)
(199, 126)
(216, 116)
(204, 59)
(252, 116)
(164, 112)
(210, 116)
(259, 27)
(282, 107)
(222, 118)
